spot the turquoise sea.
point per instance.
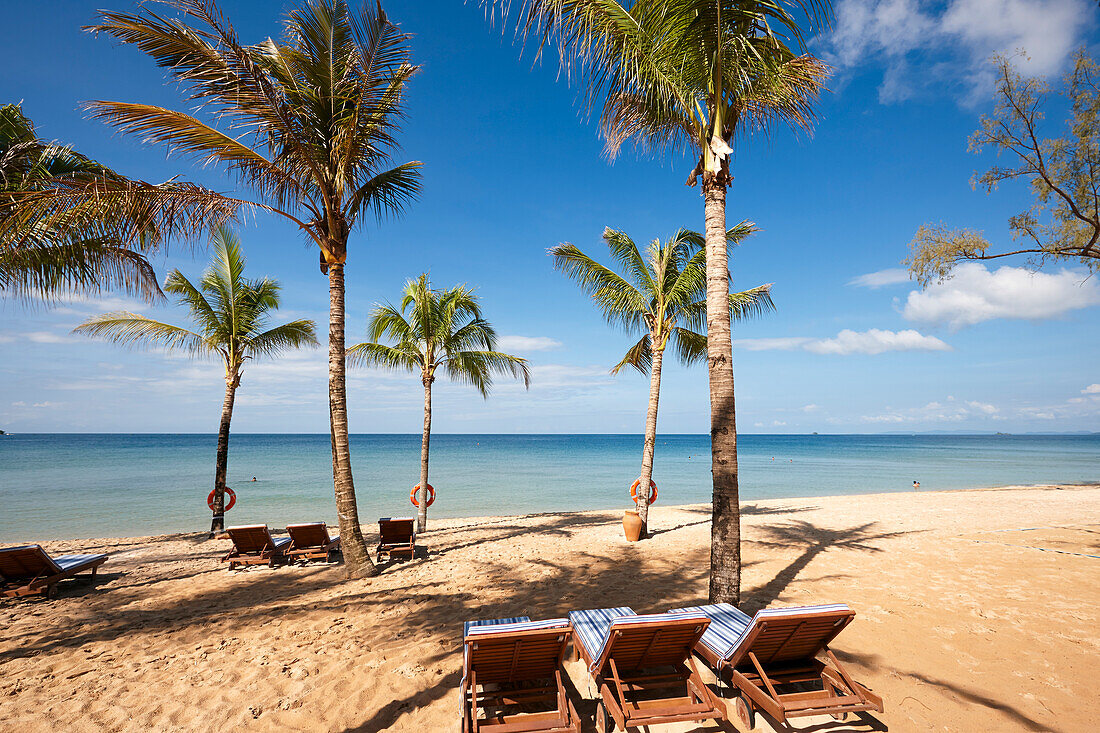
(79, 485)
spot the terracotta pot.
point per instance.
(632, 525)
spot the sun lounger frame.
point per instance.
(619, 704)
(45, 582)
(316, 551)
(393, 544)
(757, 679)
(271, 551)
(512, 688)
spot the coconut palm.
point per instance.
(689, 75)
(662, 296)
(231, 320)
(53, 259)
(307, 124)
(436, 330)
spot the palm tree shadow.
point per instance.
(812, 540)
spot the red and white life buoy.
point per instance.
(416, 490)
(652, 491)
(229, 492)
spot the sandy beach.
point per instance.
(976, 610)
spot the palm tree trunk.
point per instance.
(217, 524)
(725, 529)
(650, 440)
(356, 559)
(422, 511)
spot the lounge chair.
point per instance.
(396, 537)
(643, 667)
(512, 672)
(773, 657)
(29, 569)
(311, 541)
(254, 545)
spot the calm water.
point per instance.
(67, 486)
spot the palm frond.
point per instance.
(620, 302)
(135, 331)
(639, 356)
(293, 335)
(398, 358)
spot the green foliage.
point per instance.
(230, 314)
(1063, 223)
(80, 250)
(437, 329)
(684, 74)
(661, 294)
(307, 123)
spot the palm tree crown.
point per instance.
(230, 313)
(437, 329)
(662, 295)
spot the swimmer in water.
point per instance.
(916, 485)
(253, 478)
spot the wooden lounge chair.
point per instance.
(29, 569)
(643, 667)
(254, 545)
(396, 537)
(512, 673)
(780, 661)
(311, 541)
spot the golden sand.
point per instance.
(976, 611)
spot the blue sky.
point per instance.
(512, 166)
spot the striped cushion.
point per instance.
(67, 562)
(493, 622)
(281, 543)
(724, 614)
(593, 627)
(727, 623)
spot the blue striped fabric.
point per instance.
(493, 622)
(729, 626)
(727, 623)
(593, 627)
(281, 543)
(66, 562)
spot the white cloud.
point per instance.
(921, 47)
(810, 408)
(46, 337)
(882, 278)
(874, 341)
(975, 295)
(1091, 389)
(984, 407)
(527, 343)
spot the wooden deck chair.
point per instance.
(29, 569)
(780, 661)
(396, 537)
(254, 545)
(512, 677)
(311, 541)
(643, 668)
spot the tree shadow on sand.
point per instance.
(812, 540)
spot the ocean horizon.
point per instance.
(75, 485)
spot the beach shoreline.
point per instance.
(947, 629)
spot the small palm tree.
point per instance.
(662, 296)
(230, 315)
(433, 330)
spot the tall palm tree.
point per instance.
(53, 259)
(661, 295)
(307, 124)
(231, 317)
(432, 330)
(689, 75)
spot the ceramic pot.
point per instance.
(632, 525)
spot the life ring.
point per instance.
(416, 490)
(652, 491)
(232, 499)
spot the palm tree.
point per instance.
(433, 330)
(53, 259)
(231, 317)
(689, 75)
(661, 295)
(314, 118)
